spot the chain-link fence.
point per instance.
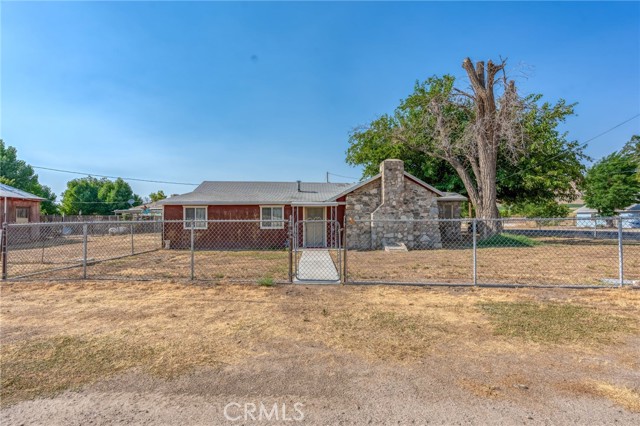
(70, 250)
(569, 252)
(409, 251)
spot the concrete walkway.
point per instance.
(317, 267)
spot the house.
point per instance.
(18, 206)
(147, 211)
(380, 211)
(631, 216)
(589, 218)
(585, 218)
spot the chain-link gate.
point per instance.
(317, 251)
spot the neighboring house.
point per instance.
(631, 216)
(589, 218)
(20, 206)
(147, 211)
(371, 207)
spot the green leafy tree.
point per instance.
(90, 195)
(539, 209)
(21, 175)
(157, 196)
(612, 183)
(547, 166)
(371, 145)
(632, 148)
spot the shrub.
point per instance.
(542, 209)
(266, 282)
(508, 240)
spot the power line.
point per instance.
(613, 128)
(114, 177)
(342, 176)
(102, 202)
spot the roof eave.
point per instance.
(425, 184)
(457, 197)
(354, 187)
(23, 198)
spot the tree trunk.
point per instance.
(482, 82)
(488, 210)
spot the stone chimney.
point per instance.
(392, 172)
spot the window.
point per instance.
(22, 214)
(271, 217)
(447, 211)
(196, 216)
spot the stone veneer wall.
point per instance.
(389, 207)
(359, 205)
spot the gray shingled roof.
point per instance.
(11, 192)
(217, 192)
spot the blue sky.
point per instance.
(269, 91)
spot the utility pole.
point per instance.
(327, 177)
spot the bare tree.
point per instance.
(468, 128)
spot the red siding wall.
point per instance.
(226, 235)
(231, 235)
(20, 234)
(13, 203)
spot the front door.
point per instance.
(314, 232)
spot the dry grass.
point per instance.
(241, 266)
(57, 336)
(510, 259)
(621, 395)
(62, 252)
(388, 334)
(49, 365)
(554, 322)
(545, 263)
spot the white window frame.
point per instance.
(279, 223)
(196, 222)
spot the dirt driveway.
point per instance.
(174, 353)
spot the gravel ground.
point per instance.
(334, 389)
(163, 353)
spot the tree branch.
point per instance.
(476, 84)
(466, 180)
(463, 93)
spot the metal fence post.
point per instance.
(475, 251)
(291, 248)
(344, 254)
(620, 253)
(43, 243)
(132, 249)
(3, 249)
(193, 260)
(84, 250)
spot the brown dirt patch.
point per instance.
(311, 341)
